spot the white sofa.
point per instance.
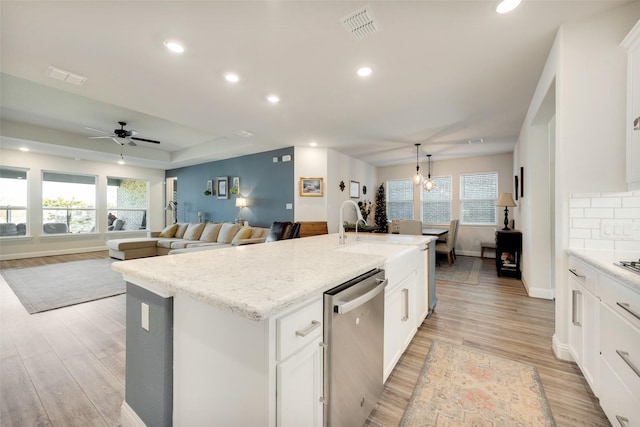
(186, 235)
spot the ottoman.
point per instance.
(124, 249)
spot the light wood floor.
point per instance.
(66, 367)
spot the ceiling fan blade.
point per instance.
(132, 144)
(145, 140)
(99, 137)
(97, 130)
(117, 142)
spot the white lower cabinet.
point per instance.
(399, 320)
(299, 384)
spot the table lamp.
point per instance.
(241, 202)
(506, 200)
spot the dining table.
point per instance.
(438, 232)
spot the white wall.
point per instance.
(333, 167)
(469, 237)
(38, 245)
(587, 69)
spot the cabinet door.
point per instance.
(299, 388)
(576, 310)
(591, 340)
(399, 321)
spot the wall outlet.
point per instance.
(275, 160)
(286, 158)
(144, 316)
(289, 206)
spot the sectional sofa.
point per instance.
(184, 236)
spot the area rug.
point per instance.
(465, 269)
(464, 387)
(53, 286)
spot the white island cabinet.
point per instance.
(235, 335)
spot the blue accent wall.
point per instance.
(268, 187)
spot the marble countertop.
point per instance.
(258, 281)
(604, 261)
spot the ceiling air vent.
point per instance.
(361, 23)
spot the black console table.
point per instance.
(508, 253)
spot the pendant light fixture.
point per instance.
(418, 178)
(428, 183)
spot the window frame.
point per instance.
(389, 201)
(69, 210)
(423, 202)
(145, 210)
(8, 209)
(493, 199)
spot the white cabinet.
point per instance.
(425, 295)
(583, 326)
(632, 43)
(620, 352)
(399, 319)
(299, 387)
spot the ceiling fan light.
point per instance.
(506, 6)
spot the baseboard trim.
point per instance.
(6, 257)
(561, 350)
(129, 418)
(539, 292)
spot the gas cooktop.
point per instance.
(630, 265)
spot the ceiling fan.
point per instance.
(120, 135)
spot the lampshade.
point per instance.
(241, 202)
(428, 184)
(506, 200)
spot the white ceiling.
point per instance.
(444, 72)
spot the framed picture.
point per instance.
(521, 181)
(209, 187)
(311, 187)
(354, 190)
(222, 187)
(515, 182)
(235, 185)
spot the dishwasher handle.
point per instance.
(342, 307)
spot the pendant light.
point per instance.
(428, 183)
(418, 178)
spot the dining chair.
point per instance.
(448, 245)
(410, 226)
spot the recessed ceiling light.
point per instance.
(313, 144)
(274, 99)
(232, 77)
(507, 5)
(25, 149)
(364, 71)
(174, 46)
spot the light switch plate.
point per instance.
(275, 160)
(616, 229)
(289, 206)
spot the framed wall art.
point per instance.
(354, 190)
(311, 187)
(235, 185)
(222, 187)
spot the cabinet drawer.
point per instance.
(298, 328)
(621, 299)
(620, 347)
(585, 275)
(618, 403)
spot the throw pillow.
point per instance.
(182, 228)
(257, 232)
(210, 232)
(227, 232)
(193, 231)
(243, 233)
(169, 231)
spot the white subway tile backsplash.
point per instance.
(605, 221)
(598, 213)
(611, 202)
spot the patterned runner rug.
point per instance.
(464, 387)
(465, 269)
(53, 286)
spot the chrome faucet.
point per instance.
(341, 236)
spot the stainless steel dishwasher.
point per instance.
(354, 334)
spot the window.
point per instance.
(126, 204)
(400, 199)
(13, 202)
(436, 204)
(478, 197)
(68, 203)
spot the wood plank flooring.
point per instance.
(65, 367)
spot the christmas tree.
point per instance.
(381, 210)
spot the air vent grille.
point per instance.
(361, 23)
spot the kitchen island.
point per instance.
(235, 335)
